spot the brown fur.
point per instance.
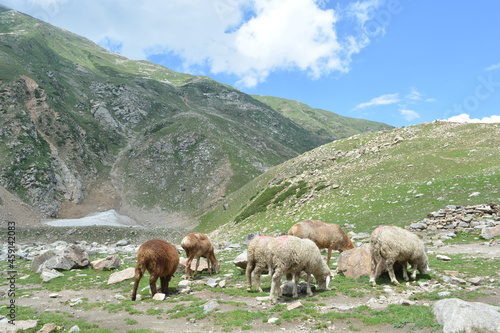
(325, 235)
(160, 258)
(199, 245)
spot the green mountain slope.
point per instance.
(325, 124)
(390, 177)
(83, 129)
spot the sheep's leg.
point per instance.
(295, 293)
(196, 267)
(270, 268)
(390, 268)
(164, 280)
(188, 268)
(373, 272)
(308, 290)
(405, 271)
(275, 285)
(137, 278)
(414, 273)
(248, 273)
(152, 284)
(259, 267)
(329, 256)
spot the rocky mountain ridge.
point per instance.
(83, 129)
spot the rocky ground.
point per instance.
(82, 294)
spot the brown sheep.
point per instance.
(199, 245)
(325, 235)
(160, 258)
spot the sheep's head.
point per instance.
(423, 265)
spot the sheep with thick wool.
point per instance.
(292, 255)
(199, 245)
(325, 235)
(390, 245)
(160, 258)
(258, 259)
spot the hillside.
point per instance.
(325, 124)
(84, 130)
(393, 177)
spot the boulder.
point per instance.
(457, 315)
(40, 259)
(203, 266)
(123, 275)
(490, 232)
(49, 274)
(108, 263)
(73, 256)
(356, 262)
(241, 260)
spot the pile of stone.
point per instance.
(461, 218)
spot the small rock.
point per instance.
(210, 306)
(295, 305)
(74, 329)
(49, 274)
(47, 328)
(476, 281)
(443, 257)
(122, 242)
(222, 283)
(272, 320)
(159, 296)
(54, 295)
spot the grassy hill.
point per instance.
(391, 177)
(325, 124)
(83, 129)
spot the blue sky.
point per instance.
(401, 62)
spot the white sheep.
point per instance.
(292, 255)
(258, 259)
(326, 236)
(390, 245)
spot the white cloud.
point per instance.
(465, 118)
(409, 115)
(492, 67)
(380, 100)
(246, 38)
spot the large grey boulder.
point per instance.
(457, 315)
(490, 232)
(73, 256)
(108, 263)
(40, 259)
(356, 262)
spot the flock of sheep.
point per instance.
(296, 255)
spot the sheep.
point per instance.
(292, 255)
(326, 236)
(390, 245)
(199, 245)
(257, 260)
(160, 258)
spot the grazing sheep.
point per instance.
(199, 245)
(390, 245)
(257, 260)
(326, 236)
(292, 255)
(160, 259)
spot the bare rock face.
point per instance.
(490, 233)
(108, 263)
(241, 260)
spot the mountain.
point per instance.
(392, 177)
(83, 130)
